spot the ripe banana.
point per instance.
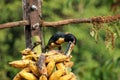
(50, 67)
(17, 77)
(73, 76)
(43, 77)
(68, 63)
(60, 66)
(57, 74)
(20, 63)
(29, 57)
(27, 52)
(26, 69)
(33, 67)
(52, 52)
(56, 58)
(27, 76)
(66, 77)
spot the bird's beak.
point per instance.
(71, 46)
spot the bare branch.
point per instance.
(105, 19)
(14, 24)
(65, 22)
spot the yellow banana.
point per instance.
(50, 67)
(27, 76)
(68, 63)
(66, 77)
(17, 77)
(33, 67)
(33, 57)
(43, 77)
(26, 51)
(60, 66)
(20, 63)
(57, 74)
(56, 58)
(29, 57)
(26, 69)
(52, 52)
(73, 76)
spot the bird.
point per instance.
(57, 39)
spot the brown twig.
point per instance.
(65, 22)
(105, 19)
(14, 24)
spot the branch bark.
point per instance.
(14, 24)
(104, 19)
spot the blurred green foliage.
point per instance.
(93, 61)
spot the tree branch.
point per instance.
(105, 19)
(14, 24)
(65, 22)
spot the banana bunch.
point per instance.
(55, 66)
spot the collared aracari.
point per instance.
(57, 39)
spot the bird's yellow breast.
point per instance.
(60, 41)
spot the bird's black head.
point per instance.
(70, 37)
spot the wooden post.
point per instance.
(32, 13)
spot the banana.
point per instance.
(50, 67)
(26, 69)
(68, 63)
(26, 51)
(30, 57)
(60, 66)
(56, 58)
(33, 67)
(52, 52)
(43, 77)
(36, 67)
(17, 77)
(27, 75)
(66, 77)
(73, 78)
(20, 63)
(57, 74)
